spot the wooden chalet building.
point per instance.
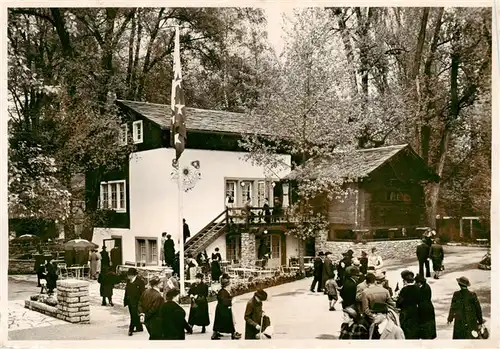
(385, 199)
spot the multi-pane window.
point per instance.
(231, 189)
(233, 250)
(113, 196)
(137, 131)
(261, 193)
(123, 134)
(246, 192)
(147, 251)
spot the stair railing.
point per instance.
(209, 224)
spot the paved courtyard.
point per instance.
(295, 312)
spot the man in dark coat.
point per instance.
(363, 261)
(169, 251)
(185, 230)
(318, 272)
(436, 254)
(115, 257)
(174, 324)
(423, 259)
(465, 310)
(344, 263)
(348, 291)
(426, 313)
(223, 322)
(51, 277)
(149, 309)
(104, 259)
(198, 314)
(408, 304)
(107, 279)
(133, 292)
(254, 314)
(328, 271)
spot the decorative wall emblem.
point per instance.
(191, 174)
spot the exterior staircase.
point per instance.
(207, 235)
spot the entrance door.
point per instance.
(114, 248)
(275, 247)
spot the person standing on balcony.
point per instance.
(318, 272)
(277, 210)
(229, 206)
(216, 270)
(169, 251)
(185, 230)
(267, 211)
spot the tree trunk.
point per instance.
(130, 54)
(133, 82)
(445, 139)
(349, 53)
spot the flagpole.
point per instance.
(181, 230)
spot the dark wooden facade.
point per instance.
(387, 203)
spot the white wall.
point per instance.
(154, 195)
(220, 242)
(128, 243)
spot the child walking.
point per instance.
(331, 288)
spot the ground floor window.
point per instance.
(233, 248)
(146, 251)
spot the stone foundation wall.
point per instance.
(248, 254)
(398, 249)
(21, 266)
(42, 308)
(73, 301)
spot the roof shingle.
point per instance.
(196, 119)
(355, 164)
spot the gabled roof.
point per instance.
(196, 119)
(353, 165)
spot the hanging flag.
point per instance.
(178, 124)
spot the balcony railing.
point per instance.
(257, 215)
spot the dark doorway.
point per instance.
(310, 250)
(114, 247)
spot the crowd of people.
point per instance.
(164, 318)
(372, 310)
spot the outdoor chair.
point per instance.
(62, 270)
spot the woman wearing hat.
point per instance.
(173, 317)
(223, 322)
(426, 313)
(466, 311)
(198, 314)
(216, 271)
(408, 304)
(149, 309)
(254, 315)
(383, 327)
(354, 326)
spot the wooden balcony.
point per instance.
(256, 216)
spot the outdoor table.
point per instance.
(244, 271)
(77, 269)
(265, 271)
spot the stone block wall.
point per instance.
(73, 301)
(397, 249)
(21, 266)
(248, 251)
